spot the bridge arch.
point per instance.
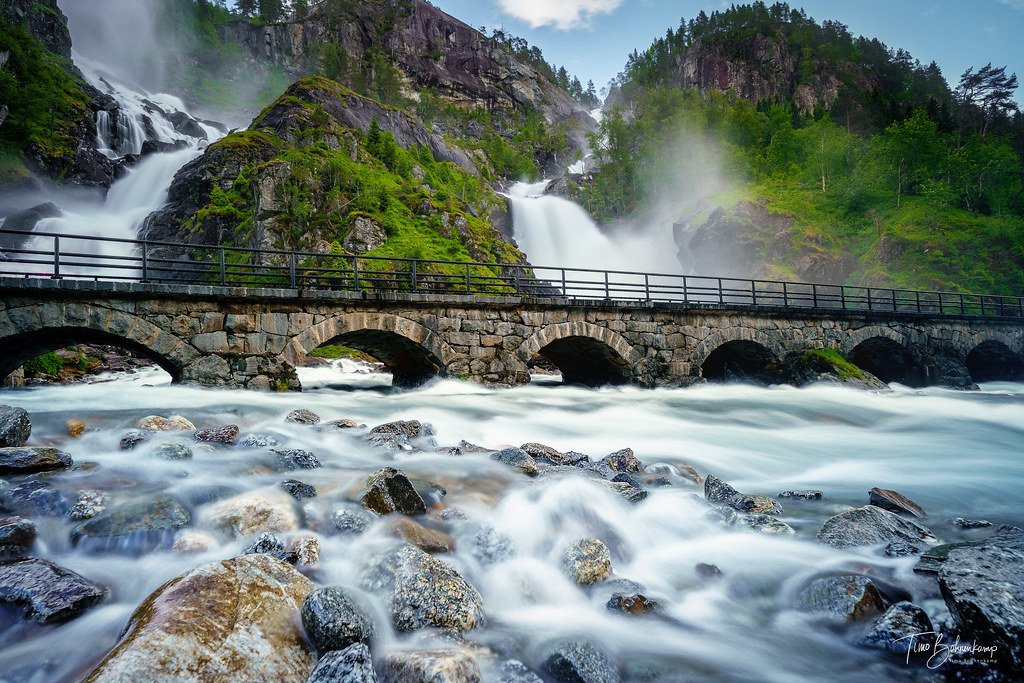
(740, 350)
(994, 359)
(885, 353)
(585, 353)
(410, 351)
(29, 331)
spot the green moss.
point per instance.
(46, 364)
(337, 351)
(843, 368)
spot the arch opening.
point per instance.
(409, 363)
(740, 361)
(587, 362)
(992, 361)
(889, 361)
(19, 349)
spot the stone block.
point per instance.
(274, 323)
(211, 342)
(239, 324)
(490, 340)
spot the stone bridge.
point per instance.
(254, 338)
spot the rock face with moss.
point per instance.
(325, 170)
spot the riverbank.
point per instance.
(953, 453)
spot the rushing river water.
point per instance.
(955, 453)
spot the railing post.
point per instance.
(721, 294)
(647, 287)
(468, 285)
(814, 295)
(785, 296)
(894, 301)
(355, 273)
(842, 296)
(686, 294)
(607, 291)
(515, 278)
(145, 263)
(753, 293)
(223, 268)
(564, 290)
(56, 257)
(291, 270)
(870, 305)
(917, 300)
(415, 285)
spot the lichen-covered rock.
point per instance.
(28, 459)
(587, 562)
(225, 435)
(425, 591)
(851, 597)
(15, 427)
(304, 551)
(871, 525)
(47, 592)
(431, 540)
(174, 423)
(765, 524)
(539, 451)
(134, 527)
(895, 502)
(802, 494)
(16, 537)
(718, 492)
(334, 620)
(364, 235)
(348, 519)
(303, 417)
(623, 461)
(983, 587)
(435, 666)
(893, 630)
(632, 604)
(351, 665)
(88, 504)
(580, 662)
(267, 544)
(518, 459)
(173, 451)
(389, 490)
(298, 490)
(131, 439)
(227, 621)
(252, 513)
(296, 459)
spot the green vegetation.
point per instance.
(48, 106)
(920, 186)
(334, 351)
(47, 364)
(843, 368)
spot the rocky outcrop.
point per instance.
(15, 427)
(225, 621)
(871, 525)
(47, 592)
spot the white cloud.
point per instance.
(563, 14)
(1015, 4)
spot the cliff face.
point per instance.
(431, 49)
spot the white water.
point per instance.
(955, 453)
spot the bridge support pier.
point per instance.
(259, 373)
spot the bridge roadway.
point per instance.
(254, 337)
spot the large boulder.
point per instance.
(351, 665)
(252, 513)
(389, 490)
(984, 590)
(174, 423)
(16, 536)
(894, 630)
(15, 427)
(425, 591)
(718, 492)
(871, 525)
(47, 592)
(333, 620)
(851, 597)
(232, 620)
(28, 459)
(580, 662)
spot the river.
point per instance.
(955, 453)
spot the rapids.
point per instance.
(955, 453)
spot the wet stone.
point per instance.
(29, 459)
(430, 540)
(802, 494)
(130, 440)
(972, 523)
(298, 490)
(297, 459)
(580, 662)
(15, 427)
(708, 571)
(518, 459)
(624, 478)
(892, 631)
(75, 428)
(46, 591)
(900, 549)
(851, 597)
(436, 666)
(304, 551)
(173, 451)
(193, 543)
(303, 417)
(628, 491)
(348, 519)
(36, 497)
(514, 671)
(895, 502)
(491, 546)
(587, 562)
(633, 604)
(252, 513)
(255, 441)
(174, 423)
(88, 504)
(351, 665)
(225, 435)
(623, 461)
(336, 425)
(334, 620)
(16, 537)
(765, 524)
(135, 527)
(718, 492)
(871, 525)
(539, 451)
(933, 558)
(389, 490)
(267, 544)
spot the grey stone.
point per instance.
(364, 235)
(15, 426)
(435, 666)
(580, 662)
(173, 451)
(895, 502)
(16, 537)
(334, 621)
(258, 441)
(389, 490)
(47, 592)
(852, 597)
(491, 546)
(632, 604)
(28, 459)
(718, 492)
(88, 504)
(765, 524)
(298, 490)
(871, 525)
(587, 561)
(296, 459)
(539, 451)
(134, 527)
(38, 497)
(348, 519)
(267, 543)
(623, 461)
(131, 439)
(518, 459)
(893, 630)
(225, 435)
(303, 416)
(351, 665)
(803, 494)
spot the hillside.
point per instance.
(789, 149)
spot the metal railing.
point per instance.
(52, 255)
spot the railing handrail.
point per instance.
(721, 291)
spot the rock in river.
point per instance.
(852, 597)
(296, 459)
(174, 423)
(252, 513)
(895, 502)
(225, 435)
(518, 459)
(435, 666)
(871, 525)
(425, 591)
(580, 662)
(48, 592)
(28, 459)
(298, 489)
(983, 588)
(893, 630)
(334, 621)
(389, 490)
(16, 536)
(587, 562)
(15, 427)
(233, 620)
(303, 417)
(718, 492)
(623, 461)
(136, 527)
(351, 665)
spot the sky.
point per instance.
(592, 38)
